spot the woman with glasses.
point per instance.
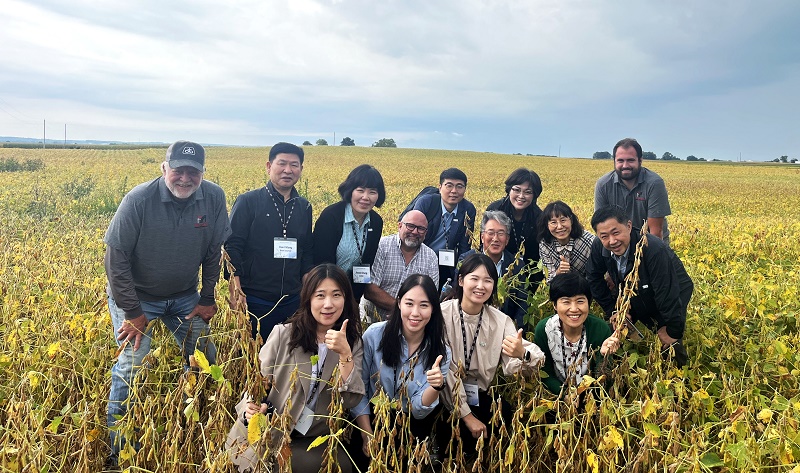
(564, 245)
(523, 187)
(347, 233)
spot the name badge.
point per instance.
(285, 248)
(472, 394)
(306, 418)
(447, 258)
(361, 274)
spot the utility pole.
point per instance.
(44, 134)
(65, 136)
(559, 151)
(334, 139)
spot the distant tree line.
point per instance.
(649, 155)
(347, 141)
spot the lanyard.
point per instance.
(285, 222)
(360, 244)
(447, 229)
(316, 375)
(412, 362)
(468, 356)
(574, 355)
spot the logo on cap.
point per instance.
(188, 150)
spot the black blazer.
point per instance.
(328, 232)
(532, 215)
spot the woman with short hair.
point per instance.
(347, 233)
(564, 245)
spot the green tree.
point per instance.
(347, 141)
(667, 156)
(308, 143)
(648, 155)
(692, 157)
(385, 143)
(322, 142)
(784, 159)
(601, 155)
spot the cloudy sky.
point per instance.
(713, 79)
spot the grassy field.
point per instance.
(735, 407)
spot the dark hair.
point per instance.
(470, 264)
(628, 143)
(433, 343)
(557, 209)
(304, 326)
(605, 213)
(525, 176)
(363, 176)
(453, 173)
(287, 148)
(569, 285)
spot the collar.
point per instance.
(166, 195)
(444, 210)
(271, 189)
(349, 217)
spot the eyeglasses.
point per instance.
(415, 228)
(450, 186)
(498, 234)
(518, 190)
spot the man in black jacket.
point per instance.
(664, 288)
(270, 246)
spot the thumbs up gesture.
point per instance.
(512, 345)
(434, 375)
(563, 266)
(336, 340)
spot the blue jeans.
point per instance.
(264, 315)
(189, 334)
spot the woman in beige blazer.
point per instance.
(325, 326)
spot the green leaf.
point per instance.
(710, 460)
(216, 373)
(653, 429)
(53, 427)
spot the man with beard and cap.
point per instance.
(640, 192)
(399, 256)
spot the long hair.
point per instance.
(433, 342)
(557, 209)
(470, 264)
(304, 325)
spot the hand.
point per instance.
(205, 312)
(512, 346)
(336, 340)
(434, 375)
(252, 409)
(237, 299)
(666, 340)
(610, 345)
(476, 427)
(365, 438)
(132, 329)
(563, 266)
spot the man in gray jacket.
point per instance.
(162, 233)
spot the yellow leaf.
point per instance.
(612, 439)
(764, 416)
(509, 455)
(318, 441)
(591, 460)
(34, 378)
(254, 428)
(201, 361)
(127, 453)
(648, 409)
(53, 349)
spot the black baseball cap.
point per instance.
(186, 153)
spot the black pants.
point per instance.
(483, 412)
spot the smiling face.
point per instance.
(363, 200)
(415, 311)
(477, 286)
(521, 196)
(327, 304)
(494, 238)
(560, 227)
(572, 311)
(182, 182)
(614, 235)
(284, 171)
(627, 164)
(452, 192)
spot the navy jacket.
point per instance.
(531, 219)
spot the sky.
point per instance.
(553, 77)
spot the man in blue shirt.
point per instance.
(449, 216)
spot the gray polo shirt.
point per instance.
(156, 244)
(647, 199)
